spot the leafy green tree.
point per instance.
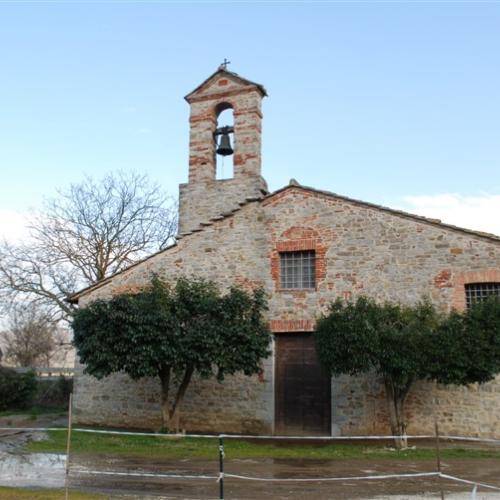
(173, 332)
(403, 344)
(466, 347)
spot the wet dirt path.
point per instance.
(482, 470)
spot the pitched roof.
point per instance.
(221, 70)
(292, 185)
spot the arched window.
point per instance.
(225, 118)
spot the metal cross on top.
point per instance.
(225, 63)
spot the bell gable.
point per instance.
(221, 82)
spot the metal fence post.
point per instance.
(221, 467)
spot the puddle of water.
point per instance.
(33, 470)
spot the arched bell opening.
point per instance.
(224, 141)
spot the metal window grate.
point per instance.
(475, 292)
(298, 269)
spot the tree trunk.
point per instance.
(395, 401)
(164, 374)
(170, 416)
(175, 411)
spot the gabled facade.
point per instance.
(305, 247)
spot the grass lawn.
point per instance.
(168, 447)
(25, 494)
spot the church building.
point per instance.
(305, 247)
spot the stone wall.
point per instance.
(361, 249)
(359, 408)
(364, 249)
(239, 404)
(201, 202)
(227, 252)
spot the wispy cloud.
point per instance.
(144, 131)
(481, 212)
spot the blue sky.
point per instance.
(391, 102)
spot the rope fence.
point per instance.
(222, 475)
(251, 436)
(345, 478)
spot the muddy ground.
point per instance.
(47, 470)
(487, 471)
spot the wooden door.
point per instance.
(302, 388)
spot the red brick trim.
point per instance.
(463, 278)
(206, 116)
(296, 245)
(292, 325)
(223, 95)
(297, 239)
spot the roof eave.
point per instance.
(75, 297)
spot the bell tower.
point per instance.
(204, 197)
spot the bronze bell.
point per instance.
(224, 148)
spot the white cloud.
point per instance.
(481, 212)
(13, 225)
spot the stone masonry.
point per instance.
(360, 248)
(203, 198)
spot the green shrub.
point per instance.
(16, 389)
(53, 393)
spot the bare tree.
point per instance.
(88, 232)
(32, 339)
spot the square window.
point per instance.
(476, 292)
(298, 269)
